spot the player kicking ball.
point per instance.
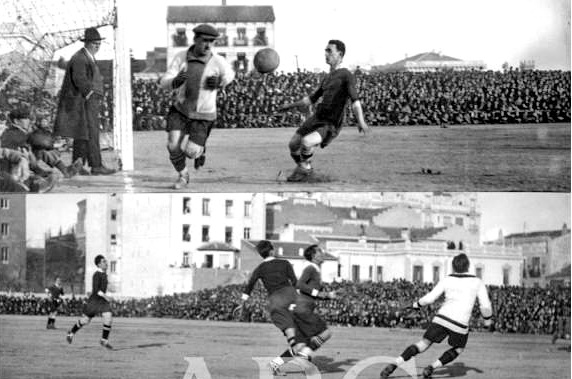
(325, 124)
(452, 320)
(98, 303)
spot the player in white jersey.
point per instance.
(461, 290)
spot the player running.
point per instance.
(55, 292)
(97, 303)
(311, 330)
(279, 279)
(325, 124)
(461, 290)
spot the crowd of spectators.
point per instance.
(402, 98)
(516, 309)
(433, 98)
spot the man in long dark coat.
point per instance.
(79, 105)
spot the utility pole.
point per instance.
(297, 67)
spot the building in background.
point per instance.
(431, 62)
(243, 30)
(293, 252)
(12, 242)
(545, 254)
(163, 244)
(411, 236)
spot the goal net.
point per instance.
(32, 32)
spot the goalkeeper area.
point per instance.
(156, 348)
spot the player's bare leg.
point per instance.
(175, 142)
(106, 330)
(77, 326)
(301, 150)
(407, 354)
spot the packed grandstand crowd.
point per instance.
(367, 304)
(432, 98)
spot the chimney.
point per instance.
(224, 3)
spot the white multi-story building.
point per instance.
(154, 243)
(412, 236)
(243, 30)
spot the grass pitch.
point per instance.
(149, 348)
(460, 158)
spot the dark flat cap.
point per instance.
(206, 31)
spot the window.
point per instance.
(418, 274)
(206, 210)
(180, 37)
(4, 254)
(4, 229)
(370, 273)
(186, 256)
(339, 270)
(222, 40)
(459, 221)
(114, 239)
(534, 271)
(206, 237)
(260, 38)
(186, 233)
(246, 234)
(228, 208)
(208, 261)
(380, 274)
(186, 205)
(112, 266)
(506, 276)
(240, 39)
(113, 214)
(247, 206)
(228, 235)
(436, 271)
(447, 220)
(479, 272)
(4, 203)
(355, 273)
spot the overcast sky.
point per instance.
(507, 211)
(385, 31)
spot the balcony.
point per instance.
(240, 42)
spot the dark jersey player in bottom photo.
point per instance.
(97, 303)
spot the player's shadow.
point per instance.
(455, 370)
(328, 364)
(141, 346)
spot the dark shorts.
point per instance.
(279, 304)
(326, 129)
(308, 322)
(198, 130)
(437, 333)
(53, 305)
(96, 306)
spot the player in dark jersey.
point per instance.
(98, 303)
(325, 124)
(311, 330)
(55, 292)
(279, 279)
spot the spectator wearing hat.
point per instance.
(80, 102)
(195, 75)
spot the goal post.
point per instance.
(122, 92)
(31, 34)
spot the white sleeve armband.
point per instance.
(100, 293)
(244, 297)
(315, 292)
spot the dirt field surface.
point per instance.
(460, 158)
(157, 348)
